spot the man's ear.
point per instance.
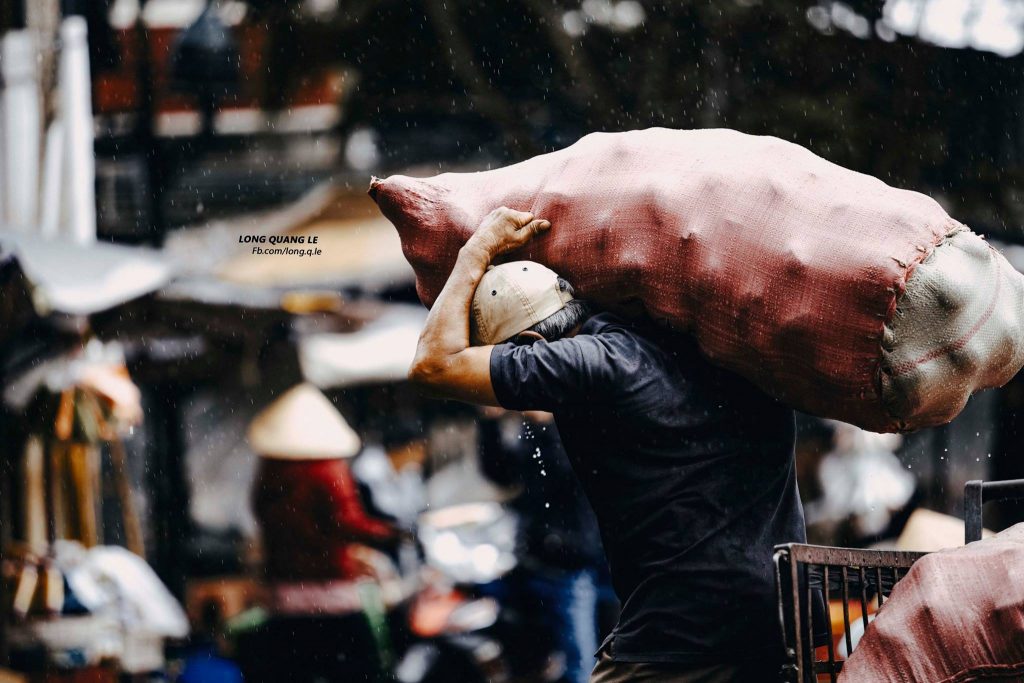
(528, 337)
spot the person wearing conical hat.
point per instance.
(315, 532)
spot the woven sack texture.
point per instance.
(956, 617)
(787, 268)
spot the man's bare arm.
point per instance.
(446, 365)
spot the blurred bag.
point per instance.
(830, 290)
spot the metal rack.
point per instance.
(808, 577)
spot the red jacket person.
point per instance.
(315, 537)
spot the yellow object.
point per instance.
(302, 425)
(928, 531)
(8, 676)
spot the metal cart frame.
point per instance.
(802, 571)
(977, 493)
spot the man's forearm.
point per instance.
(447, 328)
(446, 332)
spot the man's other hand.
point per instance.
(505, 229)
(445, 364)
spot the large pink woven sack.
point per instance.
(788, 269)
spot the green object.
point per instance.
(245, 622)
(376, 614)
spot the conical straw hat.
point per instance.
(302, 425)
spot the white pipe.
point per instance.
(76, 113)
(21, 129)
(53, 167)
(3, 159)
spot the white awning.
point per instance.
(381, 351)
(82, 280)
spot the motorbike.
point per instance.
(458, 627)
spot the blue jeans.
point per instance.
(568, 601)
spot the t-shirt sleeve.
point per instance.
(553, 375)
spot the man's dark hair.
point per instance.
(562, 322)
(401, 429)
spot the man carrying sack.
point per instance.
(688, 467)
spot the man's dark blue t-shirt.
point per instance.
(690, 472)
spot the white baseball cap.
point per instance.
(511, 298)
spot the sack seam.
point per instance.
(951, 227)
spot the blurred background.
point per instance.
(147, 534)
